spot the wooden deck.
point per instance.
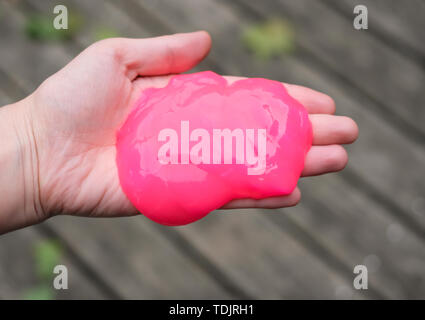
(372, 213)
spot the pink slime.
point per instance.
(177, 194)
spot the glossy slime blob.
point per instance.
(176, 156)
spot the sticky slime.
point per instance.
(198, 143)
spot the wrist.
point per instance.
(20, 204)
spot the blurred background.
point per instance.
(372, 214)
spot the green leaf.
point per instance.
(40, 27)
(42, 292)
(270, 38)
(47, 255)
(105, 33)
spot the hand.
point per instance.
(71, 121)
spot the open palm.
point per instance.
(76, 112)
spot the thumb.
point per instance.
(163, 55)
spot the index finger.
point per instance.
(314, 101)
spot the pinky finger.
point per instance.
(267, 203)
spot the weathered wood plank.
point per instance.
(361, 231)
(10, 88)
(399, 23)
(4, 99)
(366, 65)
(267, 262)
(18, 269)
(20, 52)
(136, 259)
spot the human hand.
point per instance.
(70, 122)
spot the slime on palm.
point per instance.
(191, 147)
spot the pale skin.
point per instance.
(57, 146)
